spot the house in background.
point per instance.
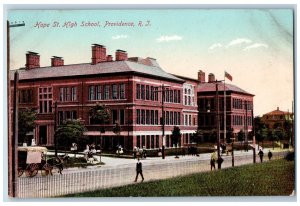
(276, 117)
(239, 106)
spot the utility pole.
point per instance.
(218, 124)
(253, 142)
(12, 138)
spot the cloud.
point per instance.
(214, 46)
(119, 37)
(254, 46)
(169, 38)
(238, 41)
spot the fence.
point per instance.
(82, 181)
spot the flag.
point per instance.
(228, 76)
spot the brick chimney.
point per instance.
(211, 77)
(57, 61)
(121, 55)
(32, 60)
(109, 58)
(98, 53)
(201, 76)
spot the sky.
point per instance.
(254, 45)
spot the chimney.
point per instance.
(109, 58)
(121, 55)
(277, 108)
(201, 76)
(98, 53)
(32, 60)
(57, 61)
(211, 77)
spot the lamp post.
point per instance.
(218, 124)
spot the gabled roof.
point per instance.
(74, 70)
(211, 87)
(278, 112)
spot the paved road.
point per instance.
(118, 172)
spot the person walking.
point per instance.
(261, 155)
(270, 155)
(139, 170)
(213, 159)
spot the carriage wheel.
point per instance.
(31, 170)
(47, 169)
(20, 172)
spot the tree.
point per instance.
(198, 136)
(176, 134)
(261, 131)
(68, 132)
(26, 123)
(99, 114)
(279, 134)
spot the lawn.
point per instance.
(275, 178)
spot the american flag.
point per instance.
(228, 76)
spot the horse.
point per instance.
(56, 162)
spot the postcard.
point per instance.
(161, 102)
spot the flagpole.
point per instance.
(224, 109)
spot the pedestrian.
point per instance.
(270, 155)
(213, 159)
(139, 170)
(134, 152)
(220, 161)
(261, 155)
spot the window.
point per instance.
(171, 95)
(45, 100)
(138, 91)
(106, 92)
(152, 93)
(147, 117)
(73, 93)
(98, 92)
(114, 91)
(143, 117)
(143, 92)
(179, 98)
(122, 91)
(157, 141)
(91, 92)
(114, 116)
(25, 96)
(171, 118)
(175, 118)
(156, 117)
(148, 141)
(138, 116)
(179, 119)
(152, 141)
(175, 96)
(147, 92)
(65, 115)
(189, 100)
(143, 140)
(152, 117)
(167, 99)
(156, 94)
(190, 119)
(138, 141)
(122, 116)
(167, 118)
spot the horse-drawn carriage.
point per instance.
(33, 159)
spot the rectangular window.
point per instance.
(171, 118)
(61, 94)
(157, 141)
(190, 119)
(152, 93)
(147, 117)
(143, 92)
(73, 114)
(167, 117)
(148, 141)
(143, 141)
(156, 94)
(175, 96)
(152, 141)
(171, 95)
(45, 100)
(156, 117)
(73, 93)
(60, 117)
(152, 117)
(122, 91)
(114, 116)
(147, 92)
(175, 118)
(138, 141)
(138, 91)
(25, 96)
(179, 119)
(91, 92)
(122, 116)
(179, 97)
(106, 92)
(114, 91)
(138, 116)
(98, 92)
(143, 117)
(68, 94)
(167, 95)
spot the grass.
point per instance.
(272, 178)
